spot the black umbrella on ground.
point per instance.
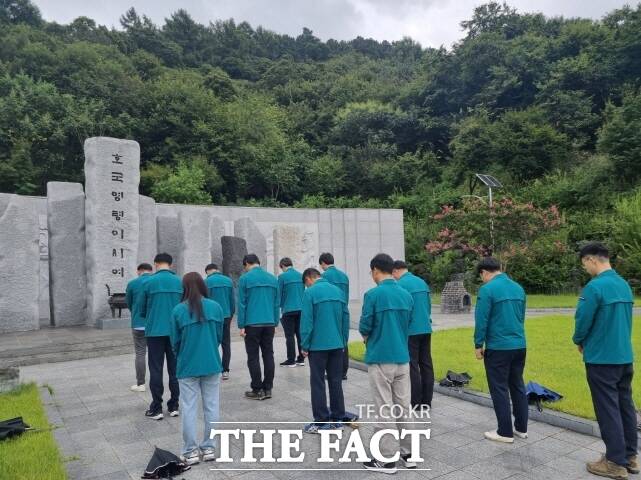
(12, 428)
(164, 464)
(454, 379)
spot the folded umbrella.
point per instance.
(164, 464)
(453, 379)
(538, 393)
(12, 428)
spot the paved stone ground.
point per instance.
(104, 432)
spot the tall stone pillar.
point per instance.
(194, 240)
(112, 173)
(19, 264)
(67, 279)
(246, 229)
(147, 240)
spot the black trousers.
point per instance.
(421, 369)
(157, 349)
(504, 370)
(260, 341)
(611, 389)
(345, 361)
(330, 362)
(226, 344)
(291, 326)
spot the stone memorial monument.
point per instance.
(234, 249)
(67, 280)
(112, 175)
(19, 264)
(68, 256)
(246, 229)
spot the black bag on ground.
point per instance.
(12, 428)
(164, 464)
(453, 379)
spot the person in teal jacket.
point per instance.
(324, 335)
(257, 316)
(384, 325)
(134, 296)
(196, 330)
(603, 334)
(499, 339)
(221, 289)
(291, 288)
(336, 277)
(420, 336)
(163, 291)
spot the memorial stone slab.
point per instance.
(217, 232)
(43, 302)
(234, 249)
(168, 238)
(298, 242)
(194, 240)
(246, 229)
(112, 176)
(66, 227)
(19, 264)
(147, 237)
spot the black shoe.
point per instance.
(255, 394)
(154, 414)
(380, 467)
(300, 361)
(344, 377)
(405, 461)
(267, 394)
(288, 363)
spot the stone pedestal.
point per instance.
(112, 173)
(67, 279)
(19, 264)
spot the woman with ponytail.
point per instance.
(196, 334)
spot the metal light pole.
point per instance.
(490, 182)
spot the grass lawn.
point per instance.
(552, 360)
(541, 301)
(32, 455)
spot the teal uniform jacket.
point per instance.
(500, 315)
(421, 322)
(385, 320)
(221, 289)
(134, 295)
(163, 291)
(257, 299)
(290, 285)
(196, 342)
(336, 277)
(603, 320)
(324, 323)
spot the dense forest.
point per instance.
(227, 113)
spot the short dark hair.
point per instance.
(326, 258)
(285, 262)
(596, 249)
(146, 267)
(382, 262)
(251, 259)
(310, 273)
(400, 265)
(211, 266)
(489, 264)
(163, 258)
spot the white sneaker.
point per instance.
(137, 388)
(191, 458)
(520, 434)
(174, 413)
(209, 454)
(225, 375)
(494, 436)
